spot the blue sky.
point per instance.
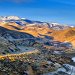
(61, 11)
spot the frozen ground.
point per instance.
(73, 59)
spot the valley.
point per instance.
(36, 48)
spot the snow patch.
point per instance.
(73, 59)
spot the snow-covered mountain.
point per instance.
(27, 22)
(9, 18)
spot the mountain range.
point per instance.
(66, 33)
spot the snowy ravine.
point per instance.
(66, 69)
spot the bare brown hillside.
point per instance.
(67, 35)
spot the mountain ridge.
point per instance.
(35, 28)
(24, 21)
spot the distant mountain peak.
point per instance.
(9, 18)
